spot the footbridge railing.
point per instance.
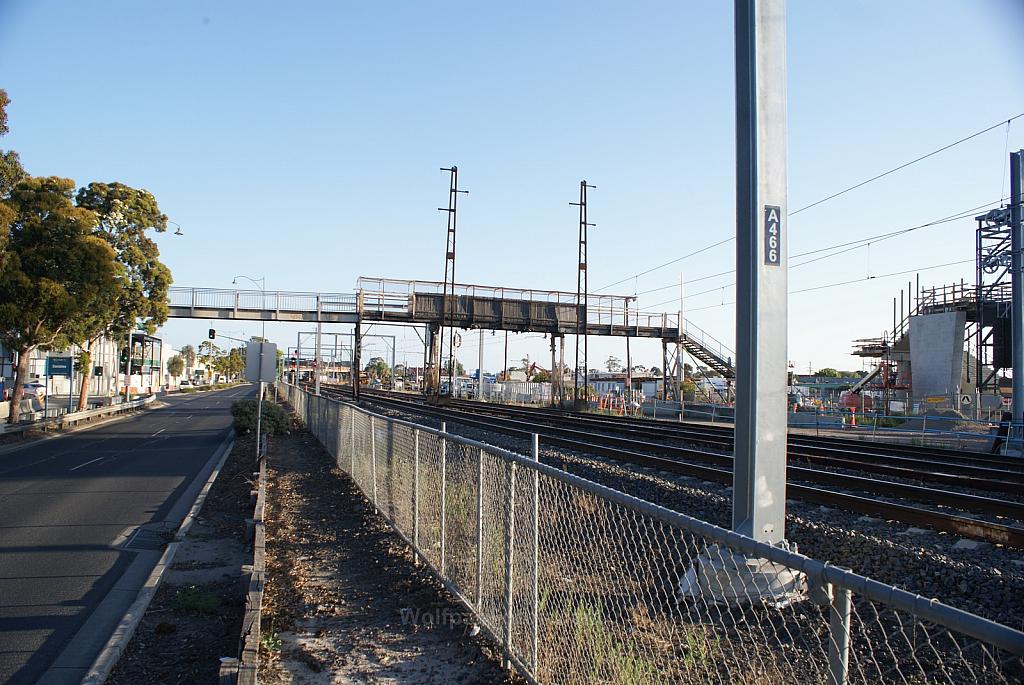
(580, 583)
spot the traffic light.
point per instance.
(212, 334)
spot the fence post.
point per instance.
(509, 562)
(416, 496)
(444, 490)
(536, 553)
(373, 457)
(480, 531)
(839, 642)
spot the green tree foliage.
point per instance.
(57, 274)
(541, 376)
(231, 364)
(175, 365)
(209, 353)
(827, 372)
(125, 215)
(460, 370)
(613, 364)
(188, 355)
(379, 369)
(11, 172)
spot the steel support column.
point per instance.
(759, 479)
(1017, 285)
(432, 373)
(664, 370)
(554, 372)
(318, 354)
(357, 345)
(480, 367)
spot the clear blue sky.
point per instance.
(302, 142)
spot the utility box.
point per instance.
(261, 362)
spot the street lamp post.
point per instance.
(261, 284)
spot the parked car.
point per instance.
(35, 388)
(183, 382)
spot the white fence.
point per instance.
(579, 583)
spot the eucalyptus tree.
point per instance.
(125, 216)
(57, 274)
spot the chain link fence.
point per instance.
(580, 583)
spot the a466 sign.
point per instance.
(772, 235)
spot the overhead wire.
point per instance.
(906, 164)
(848, 282)
(847, 247)
(865, 182)
(668, 263)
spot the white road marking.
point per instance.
(93, 461)
(158, 432)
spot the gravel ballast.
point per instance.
(987, 580)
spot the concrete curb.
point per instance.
(122, 635)
(249, 658)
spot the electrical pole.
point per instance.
(448, 297)
(759, 478)
(581, 301)
(759, 471)
(680, 373)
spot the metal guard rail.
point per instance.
(70, 419)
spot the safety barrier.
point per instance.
(580, 583)
(74, 418)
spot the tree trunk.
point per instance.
(86, 365)
(19, 384)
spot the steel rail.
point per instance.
(942, 521)
(979, 477)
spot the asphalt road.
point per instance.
(67, 507)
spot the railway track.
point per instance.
(642, 442)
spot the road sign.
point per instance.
(965, 399)
(58, 366)
(261, 362)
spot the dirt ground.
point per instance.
(344, 602)
(196, 616)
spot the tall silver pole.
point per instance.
(316, 361)
(759, 479)
(680, 350)
(480, 368)
(1017, 285)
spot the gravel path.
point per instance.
(344, 601)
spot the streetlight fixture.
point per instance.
(261, 284)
